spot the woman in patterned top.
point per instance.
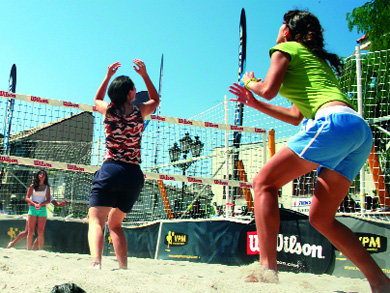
(333, 138)
(118, 183)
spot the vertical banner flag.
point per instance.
(159, 91)
(158, 109)
(10, 108)
(239, 110)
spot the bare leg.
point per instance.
(115, 220)
(330, 191)
(35, 244)
(41, 231)
(31, 229)
(19, 237)
(277, 172)
(97, 221)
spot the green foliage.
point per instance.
(372, 19)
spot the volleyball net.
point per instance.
(193, 168)
(186, 162)
(366, 80)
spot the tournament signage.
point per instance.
(176, 244)
(294, 254)
(200, 241)
(300, 247)
(374, 238)
(175, 239)
(373, 243)
(301, 204)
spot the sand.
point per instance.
(39, 271)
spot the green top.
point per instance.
(309, 81)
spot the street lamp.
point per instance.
(197, 147)
(187, 144)
(174, 153)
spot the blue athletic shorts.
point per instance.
(338, 141)
(116, 185)
(42, 212)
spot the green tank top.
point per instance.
(309, 81)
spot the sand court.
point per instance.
(39, 271)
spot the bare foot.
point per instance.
(96, 265)
(251, 278)
(10, 245)
(258, 273)
(119, 269)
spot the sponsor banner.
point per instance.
(45, 101)
(191, 179)
(66, 236)
(374, 236)
(300, 247)
(9, 229)
(60, 236)
(92, 169)
(201, 241)
(48, 164)
(90, 108)
(9, 160)
(7, 94)
(301, 204)
(141, 241)
(205, 124)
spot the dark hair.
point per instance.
(306, 29)
(36, 179)
(119, 90)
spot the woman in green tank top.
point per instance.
(300, 71)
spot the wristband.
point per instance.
(248, 81)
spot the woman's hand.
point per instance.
(248, 76)
(37, 206)
(140, 67)
(113, 68)
(243, 95)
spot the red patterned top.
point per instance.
(123, 135)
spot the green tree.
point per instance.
(372, 19)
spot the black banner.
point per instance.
(375, 237)
(9, 229)
(141, 241)
(60, 236)
(67, 237)
(300, 247)
(201, 241)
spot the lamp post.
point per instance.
(187, 145)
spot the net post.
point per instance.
(271, 142)
(227, 189)
(156, 254)
(360, 111)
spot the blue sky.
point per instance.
(62, 48)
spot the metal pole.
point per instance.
(182, 189)
(227, 192)
(360, 111)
